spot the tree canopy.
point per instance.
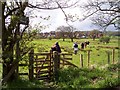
(103, 13)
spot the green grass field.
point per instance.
(98, 56)
(106, 76)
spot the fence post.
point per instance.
(88, 57)
(81, 59)
(31, 58)
(108, 57)
(56, 60)
(113, 55)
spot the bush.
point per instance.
(113, 67)
(104, 39)
(108, 83)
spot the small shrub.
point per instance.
(50, 38)
(104, 39)
(113, 67)
(80, 81)
(108, 83)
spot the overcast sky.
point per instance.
(57, 18)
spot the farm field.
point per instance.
(102, 76)
(98, 56)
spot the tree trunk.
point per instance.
(3, 40)
(7, 47)
(0, 21)
(8, 42)
(71, 39)
(12, 70)
(8, 60)
(17, 50)
(71, 36)
(63, 39)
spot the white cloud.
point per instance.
(57, 18)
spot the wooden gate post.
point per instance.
(56, 60)
(31, 58)
(88, 57)
(108, 57)
(113, 55)
(81, 59)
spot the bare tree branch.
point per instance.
(11, 11)
(46, 5)
(103, 13)
(62, 11)
(24, 29)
